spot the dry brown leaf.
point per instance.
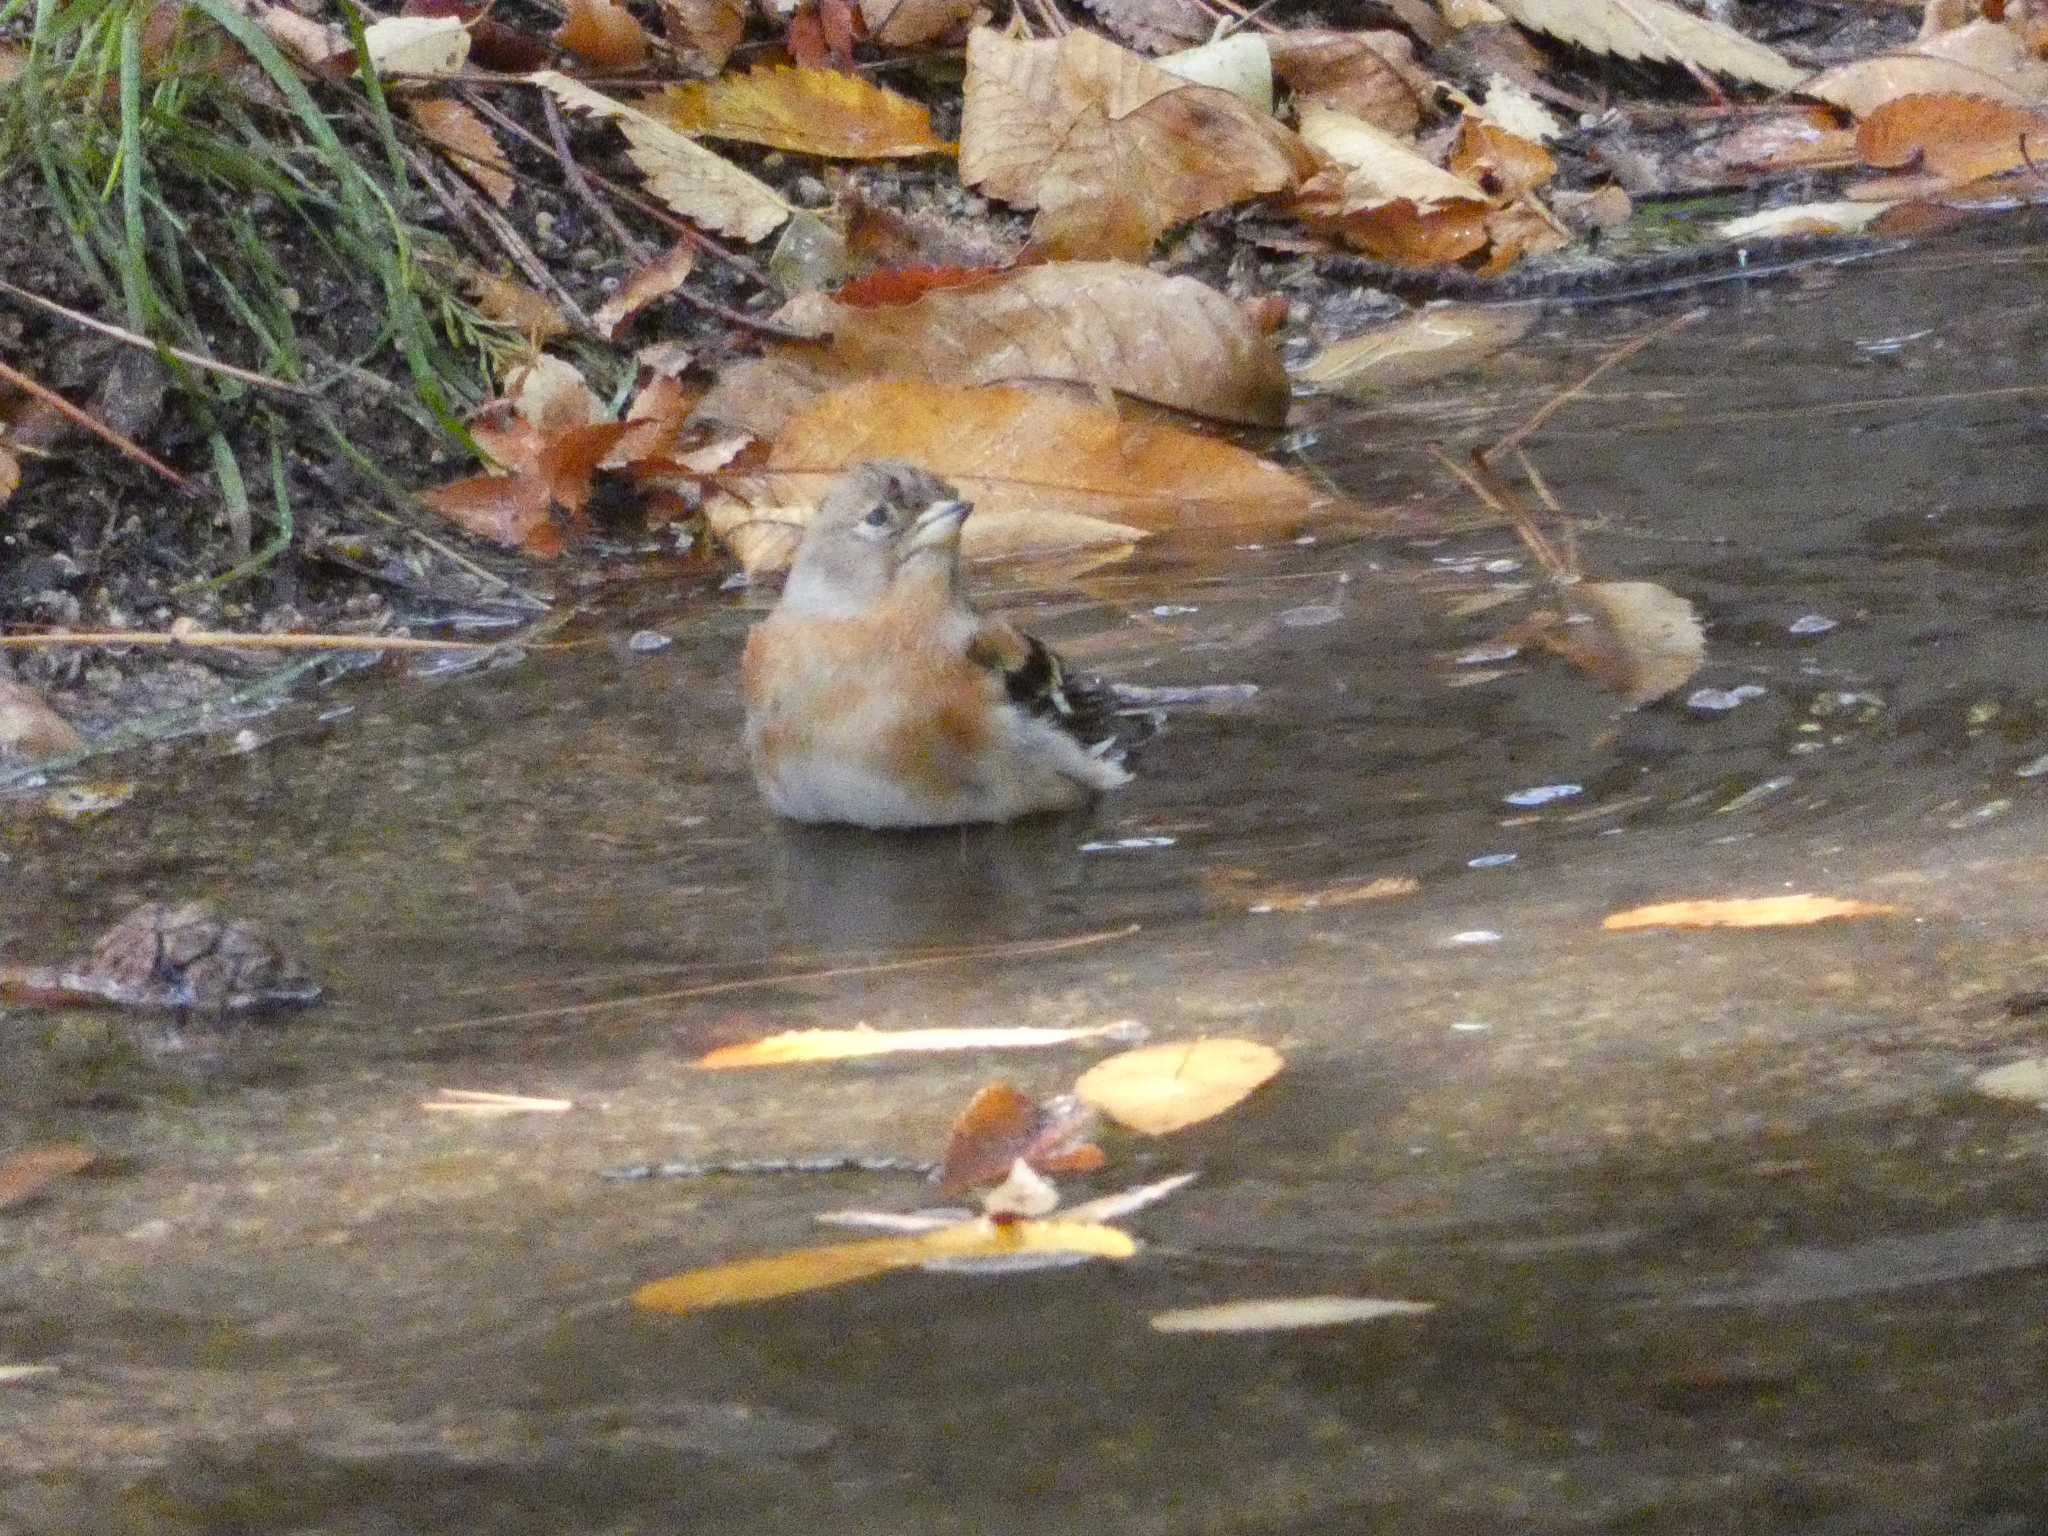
(1268, 1314)
(689, 178)
(550, 395)
(1110, 149)
(26, 1173)
(1002, 1126)
(1404, 235)
(1044, 471)
(10, 475)
(913, 23)
(1422, 345)
(1237, 62)
(1501, 164)
(657, 280)
(1378, 166)
(603, 34)
(1371, 76)
(1655, 29)
(1385, 888)
(1158, 1089)
(712, 28)
(1745, 912)
(31, 731)
(799, 1046)
(1640, 640)
(810, 111)
(812, 1269)
(320, 48)
(1960, 138)
(468, 142)
(1170, 340)
(513, 510)
(761, 395)
(1520, 229)
(1155, 26)
(510, 302)
(1981, 59)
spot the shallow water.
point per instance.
(1720, 1240)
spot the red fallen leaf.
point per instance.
(1001, 1125)
(492, 44)
(27, 1172)
(513, 510)
(804, 37)
(906, 285)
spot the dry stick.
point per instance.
(98, 428)
(229, 640)
(785, 978)
(196, 359)
(1562, 398)
(573, 174)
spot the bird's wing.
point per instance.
(1037, 682)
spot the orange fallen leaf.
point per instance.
(604, 34)
(1745, 912)
(1158, 1089)
(1002, 1125)
(26, 1173)
(1500, 163)
(1959, 137)
(809, 111)
(1111, 149)
(710, 27)
(510, 302)
(913, 23)
(513, 510)
(657, 280)
(798, 1046)
(811, 1269)
(468, 142)
(1043, 471)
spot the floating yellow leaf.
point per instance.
(1265, 1314)
(1161, 1088)
(812, 1269)
(796, 1046)
(810, 111)
(1745, 912)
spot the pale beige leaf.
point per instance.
(799, 1046)
(1114, 1207)
(1024, 1192)
(1422, 345)
(551, 395)
(811, 1269)
(712, 28)
(1271, 1314)
(1515, 109)
(913, 23)
(1110, 149)
(468, 142)
(1158, 1089)
(689, 178)
(2019, 1082)
(1170, 340)
(657, 280)
(1379, 166)
(1836, 218)
(1656, 29)
(1981, 59)
(809, 111)
(1043, 471)
(1369, 75)
(417, 45)
(1636, 638)
(1240, 64)
(314, 44)
(31, 731)
(1745, 912)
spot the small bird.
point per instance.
(877, 696)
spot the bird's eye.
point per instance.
(879, 518)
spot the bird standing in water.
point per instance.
(876, 695)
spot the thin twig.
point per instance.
(774, 979)
(580, 184)
(196, 359)
(1564, 397)
(97, 428)
(230, 640)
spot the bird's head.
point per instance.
(882, 520)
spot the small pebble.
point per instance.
(1543, 794)
(1491, 860)
(1811, 624)
(1125, 844)
(646, 641)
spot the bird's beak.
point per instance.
(939, 524)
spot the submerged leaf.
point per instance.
(1157, 1089)
(797, 1046)
(1422, 345)
(811, 1269)
(1640, 640)
(1745, 912)
(1267, 1314)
